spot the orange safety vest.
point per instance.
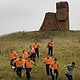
(50, 44)
(13, 55)
(25, 55)
(18, 62)
(48, 61)
(32, 50)
(29, 63)
(54, 65)
(36, 45)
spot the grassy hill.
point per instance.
(66, 50)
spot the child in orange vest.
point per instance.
(48, 61)
(29, 64)
(25, 56)
(13, 56)
(36, 47)
(54, 66)
(19, 64)
(50, 47)
(32, 53)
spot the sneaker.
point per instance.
(13, 67)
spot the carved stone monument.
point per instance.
(58, 20)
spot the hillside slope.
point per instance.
(66, 50)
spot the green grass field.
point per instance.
(66, 50)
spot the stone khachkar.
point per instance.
(58, 20)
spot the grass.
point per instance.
(66, 50)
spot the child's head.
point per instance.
(73, 63)
(55, 60)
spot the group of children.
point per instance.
(26, 61)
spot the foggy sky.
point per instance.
(28, 15)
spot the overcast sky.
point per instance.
(28, 15)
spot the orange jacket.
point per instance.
(29, 63)
(48, 61)
(25, 55)
(13, 55)
(54, 65)
(37, 45)
(18, 62)
(50, 44)
(32, 50)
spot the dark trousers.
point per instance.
(13, 64)
(69, 77)
(48, 70)
(18, 71)
(55, 71)
(28, 73)
(50, 51)
(37, 52)
(32, 56)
